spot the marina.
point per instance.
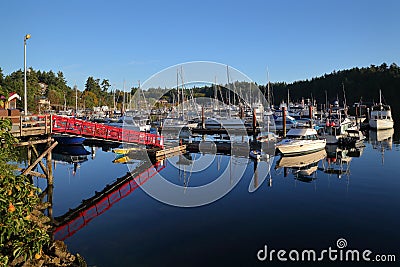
(196, 133)
(274, 192)
(102, 178)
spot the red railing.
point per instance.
(99, 206)
(74, 126)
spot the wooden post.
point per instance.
(254, 123)
(29, 152)
(20, 125)
(310, 114)
(49, 193)
(284, 121)
(357, 116)
(49, 167)
(203, 124)
(45, 123)
(51, 123)
(27, 170)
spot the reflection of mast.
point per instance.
(255, 174)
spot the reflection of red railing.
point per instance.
(97, 130)
(83, 216)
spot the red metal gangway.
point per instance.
(76, 219)
(77, 127)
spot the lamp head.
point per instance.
(27, 36)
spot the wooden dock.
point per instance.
(27, 126)
(160, 154)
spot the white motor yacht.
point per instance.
(300, 141)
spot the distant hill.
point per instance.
(358, 83)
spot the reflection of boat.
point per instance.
(300, 141)
(303, 167)
(258, 154)
(338, 159)
(381, 140)
(300, 161)
(353, 138)
(381, 116)
(255, 154)
(70, 153)
(68, 140)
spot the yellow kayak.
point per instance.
(124, 151)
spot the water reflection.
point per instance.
(77, 218)
(262, 170)
(339, 158)
(303, 167)
(381, 140)
(74, 155)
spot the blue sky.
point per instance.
(132, 40)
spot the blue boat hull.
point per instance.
(69, 140)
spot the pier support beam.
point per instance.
(48, 171)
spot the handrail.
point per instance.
(74, 126)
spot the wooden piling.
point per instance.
(203, 124)
(254, 124)
(49, 167)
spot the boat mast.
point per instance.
(123, 98)
(178, 92)
(183, 94)
(229, 92)
(76, 99)
(114, 98)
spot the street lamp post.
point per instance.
(25, 94)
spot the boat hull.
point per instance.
(300, 148)
(381, 124)
(69, 140)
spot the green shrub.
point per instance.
(20, 235)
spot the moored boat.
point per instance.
(381, 116)
(300, 141)
(68, 140)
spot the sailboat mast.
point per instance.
(123, 98)
(114, 98)
(76, 99)
(177, 88)
(268, 96)
(183, 94)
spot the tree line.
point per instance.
(351, 85)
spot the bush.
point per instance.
(20, 234)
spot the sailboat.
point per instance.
(381, 116)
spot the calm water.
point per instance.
(350, 194)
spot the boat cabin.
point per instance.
(302, 134)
